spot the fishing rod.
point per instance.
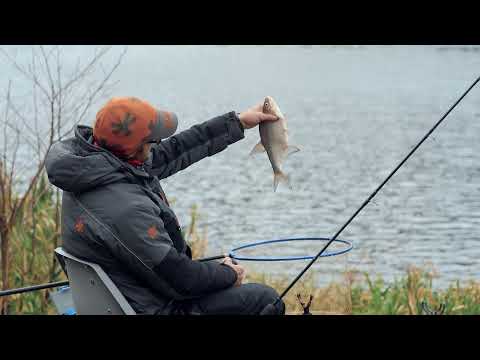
(66, 283)
(270, 308)
(33, 288)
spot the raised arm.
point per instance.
(202, 140)
(189, 146)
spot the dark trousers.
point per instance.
(247, 299)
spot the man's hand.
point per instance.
(254, 116)
(239, 269)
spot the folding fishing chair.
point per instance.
(93, 292)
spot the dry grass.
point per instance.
(198, 242)
(34, 237)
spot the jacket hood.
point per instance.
(76, 165)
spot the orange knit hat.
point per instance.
(124, 124)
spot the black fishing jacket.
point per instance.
(116, 215)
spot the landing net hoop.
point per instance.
(233, 254)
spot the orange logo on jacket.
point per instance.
(79, 226)
(152, 231)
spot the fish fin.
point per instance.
(292, 149)
(279, 177)
(257, 149)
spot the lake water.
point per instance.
(356, 112)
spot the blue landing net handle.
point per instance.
(233, 255)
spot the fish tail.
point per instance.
(279, 177)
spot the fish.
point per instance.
(274, 141)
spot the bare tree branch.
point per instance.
(47, 66)
(60, 97)
(24, 72)
(14, 155)
(93, 95)
(35, 112)
(33, 132)
(87, 68)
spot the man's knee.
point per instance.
(266, 295)
(247, 299)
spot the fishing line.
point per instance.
(269, 309)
